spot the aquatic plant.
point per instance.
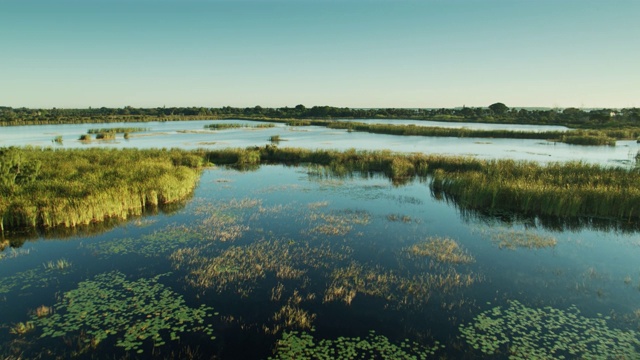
(336, 223)
(160, 242)
(513, 239)
(38, 277)
(85, 138)
(441, 249)
(295, 345)
(275, 139)
(58, 139)
(42, 311)
(223, 126)
(396, 289)
(22, 328)
(60, 264)
(74, 187)
(12, 253)
(240, 267)
(292, 315)
(399, 218)
(547, 333)
(117, 130)
(106, 136)
(135, 312)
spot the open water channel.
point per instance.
(293, 263)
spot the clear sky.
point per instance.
(354, 53)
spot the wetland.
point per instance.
(239, 248)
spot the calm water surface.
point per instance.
(192, 134)
(291, 248)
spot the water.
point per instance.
(192, 135)
(280, 248)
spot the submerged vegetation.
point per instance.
(513, 239)
(442, 250)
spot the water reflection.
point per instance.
(293, 261)
(192, 135)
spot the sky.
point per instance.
(346, 53)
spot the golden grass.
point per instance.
(444, 250)
(514, 239)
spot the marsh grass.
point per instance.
(443, 250)
(275, 139)
(75, 187)
(240, 268)
(106, 136)
(336, 223)
(291, 315)
(399, 218)
(398, 290)
(515, 239)
(61, 264)
(12, 253)
(568, 190)
(224, 126)
(117, 130)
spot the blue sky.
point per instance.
(354, 53)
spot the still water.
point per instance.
(192, 134)
(290, 263)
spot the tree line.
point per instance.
(494, 113)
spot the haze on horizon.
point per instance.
(351, 53)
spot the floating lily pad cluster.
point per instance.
(548, 333)
(150, 245)
(38, 277)
(302, 345)
(134, 311)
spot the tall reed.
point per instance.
(78, 187)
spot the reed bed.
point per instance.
(574, 137)
(224, 126)
(71, 187)
(106, 136)
(117, 130)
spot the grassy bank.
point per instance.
(48, 188)
(572, 189)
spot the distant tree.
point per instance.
(499, 108)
